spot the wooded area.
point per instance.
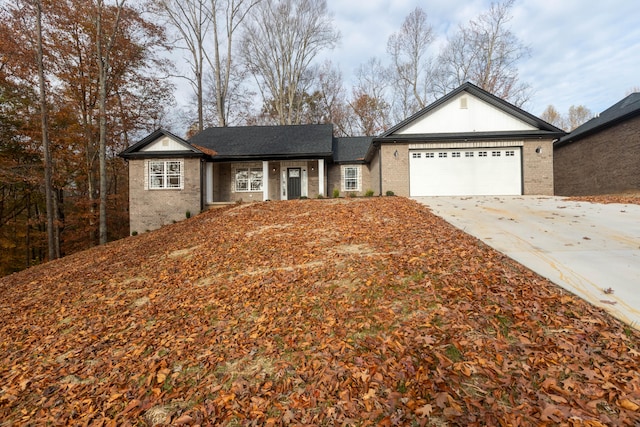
(81, 80)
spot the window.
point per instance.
(416, 155)
(468, 153)
(482, 154)
(495, 153)
(351, 178)
(428, 155)
(165, 174)
(248, 179)
(442, 155)
(510, 153)
(456, 154)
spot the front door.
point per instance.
(294, 183)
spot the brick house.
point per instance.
(603, 155)
(466, 143)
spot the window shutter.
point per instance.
(182, 175)
(146, 174)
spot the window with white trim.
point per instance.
(165, 174)
(495, 153)
(482, 154)
(468, 153)
(442, 155)
(455, 154)
(428, 155)
(248, 179)
(510, 153)
(416, 155)
(351, 178)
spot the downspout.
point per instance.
(380, 167)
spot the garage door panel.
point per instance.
(461, 172)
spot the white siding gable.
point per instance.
(166, 144)
(465, 113)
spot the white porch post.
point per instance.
(208, 185)
(265, 180)
(321, 177)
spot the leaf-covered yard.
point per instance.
(311, 312)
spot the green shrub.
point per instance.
(390, 193)
(336, 193)
(369, 193)
(188, 214)
(134, 233)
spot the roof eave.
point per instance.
(569, 138)
(469, 136)
(267, 157)
(161, 155)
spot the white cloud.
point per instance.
(582, 53)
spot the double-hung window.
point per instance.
(248, 179)
(165, 174)
(351, 178)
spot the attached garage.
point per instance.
(465, 172)
(467, 143)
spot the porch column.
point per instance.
(265, 180)
(321, 177)
(208, 185)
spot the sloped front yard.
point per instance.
(311, 312)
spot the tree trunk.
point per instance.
(48, 186)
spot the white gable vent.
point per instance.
(463, 103)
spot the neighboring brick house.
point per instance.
(603, 155)
(467, 143)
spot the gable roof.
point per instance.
(352, 149)
(542, 128)
(623, 110)
(266, 142)
(136, 150)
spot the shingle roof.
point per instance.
(623, 110)
(352, 149)
(544, 127)
(267, 142)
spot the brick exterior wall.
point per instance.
(606, 162)
(395, 168)
(151, 209)
(334, 180)
(537, 167)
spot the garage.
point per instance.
(465, 171)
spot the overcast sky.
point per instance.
(583, 52)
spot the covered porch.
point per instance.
(246, 181)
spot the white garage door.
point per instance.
(465, 172)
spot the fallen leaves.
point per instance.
(363, 311)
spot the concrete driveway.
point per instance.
(592, 250)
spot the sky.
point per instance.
(583, 52)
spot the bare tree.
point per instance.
(553, 116)
(332, 98)
(412, 69)
(232, 13)
(369, 103)
(279, 46)
(192, 20)
(486, 53)
(577, 115)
